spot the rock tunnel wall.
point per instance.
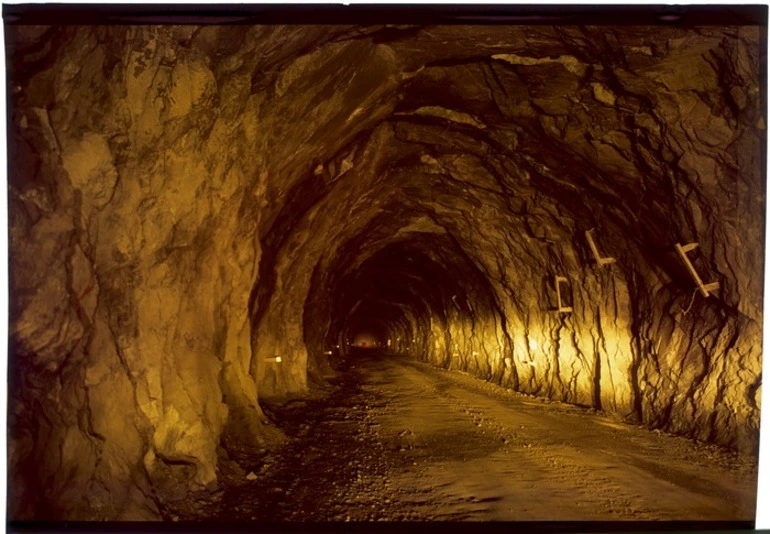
(189, 203)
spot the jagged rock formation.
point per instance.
(188, 203)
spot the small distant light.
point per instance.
(533, 344)
(327, 352)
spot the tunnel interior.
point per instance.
(207, 218)
(403, 288)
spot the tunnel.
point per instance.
(425, 265)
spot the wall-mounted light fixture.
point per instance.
(558, 280)
(328, 352)
(599, 260)
(683, 250)
(275, 359)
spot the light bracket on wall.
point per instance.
(558, 280)
(683, 250)
(275, 359)
(595, 250)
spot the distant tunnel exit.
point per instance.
(365, 340)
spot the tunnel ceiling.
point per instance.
(216, 208)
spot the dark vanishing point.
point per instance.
(303, 266)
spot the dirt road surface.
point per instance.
(396, 439)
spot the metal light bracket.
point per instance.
(557, 281)
(275, 359)
(595, 250)
(683, 250)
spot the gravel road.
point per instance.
(394, 439)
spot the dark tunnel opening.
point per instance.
(412, 290)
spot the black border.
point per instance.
(368, 14)
(386, 527)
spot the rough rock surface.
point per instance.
(189, 203)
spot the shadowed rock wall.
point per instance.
(188, 203)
